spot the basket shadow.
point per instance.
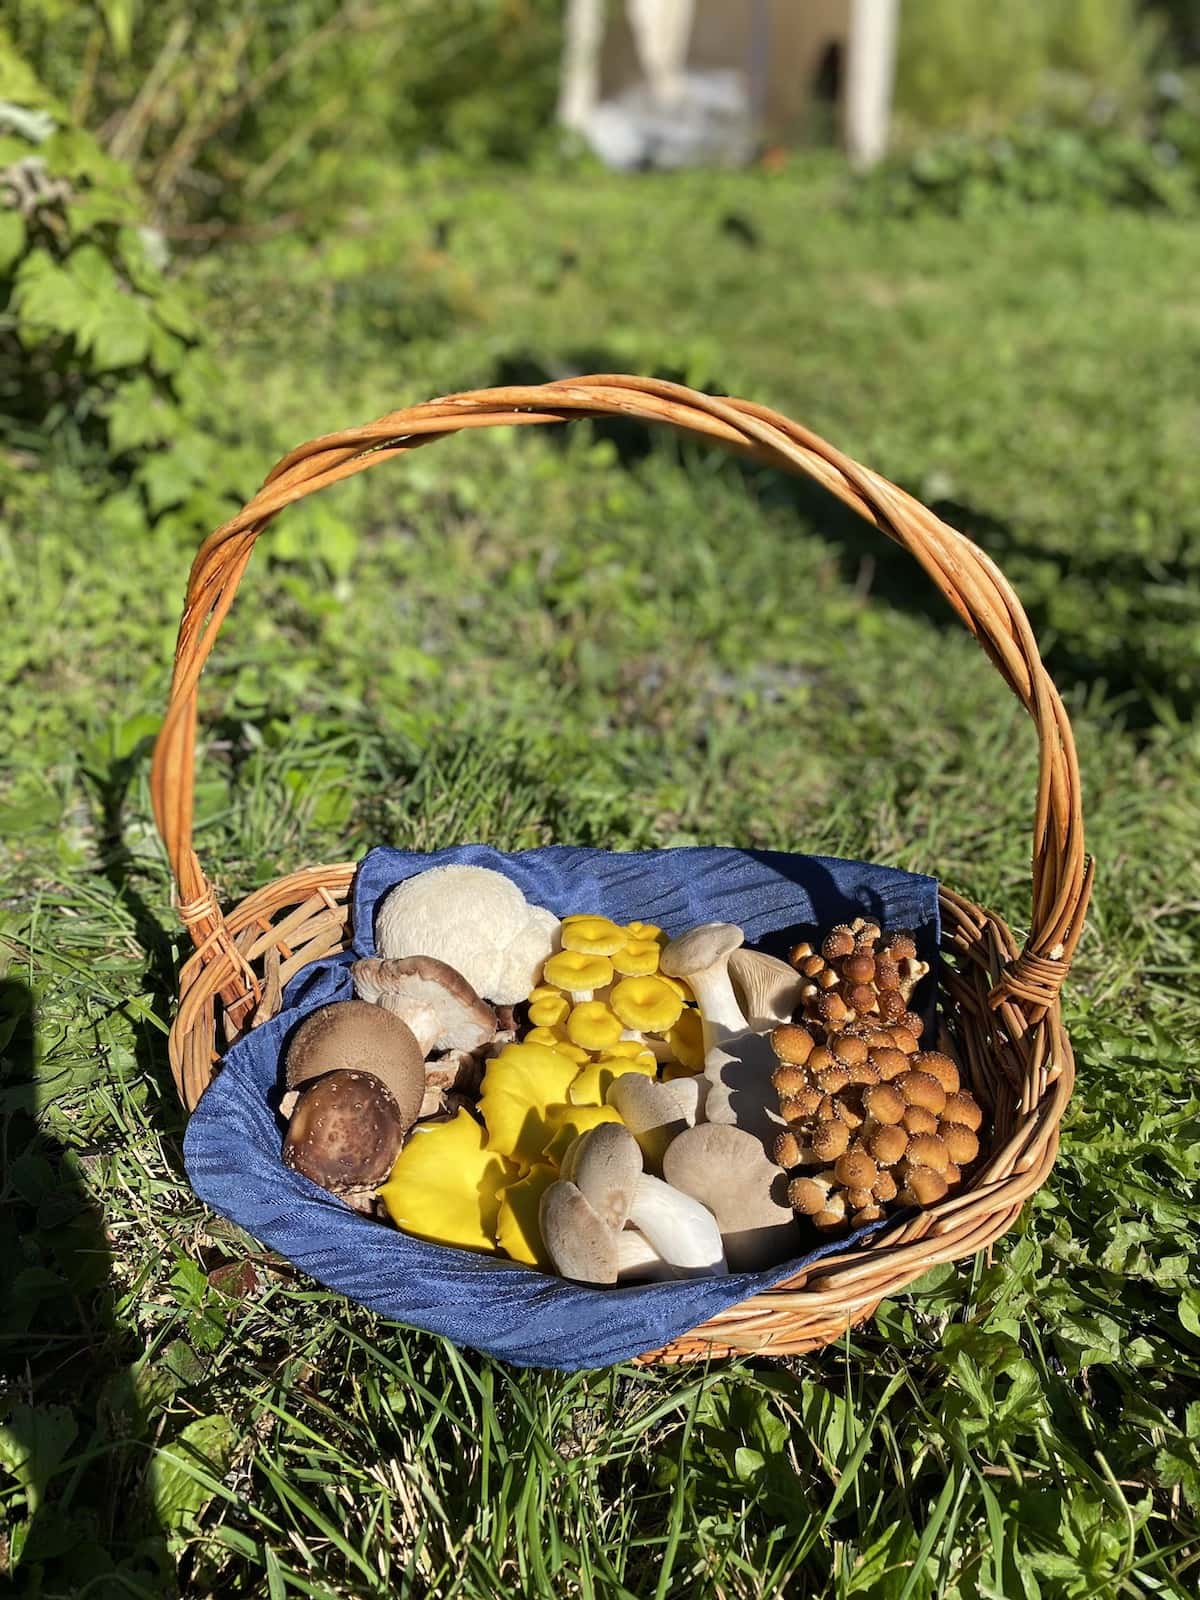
(80, 1427)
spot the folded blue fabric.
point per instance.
(232, 1146)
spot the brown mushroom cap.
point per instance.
(849, 1049)
(832, 1079)
(887, 1145)
(792, 1043)
(922, 1187)
(438, 1003)
(927, 1150)
(868, 1213)
(883, 1102)
(939, 1066)
(820, 1059)
(855, 1169)
(581, 1245)
(834, 1213)
(832, 1008)
(891, 1007)
(810, 1194)
(963, 1108)
(860, 997)
(345, 1132)
(838, 942)
(918, 1119)
(789, 1080)
(787, 1149)
(960, 1141)
(887, 973)
(856, 1199)
(889, 1062)
(922, 1089)
(905, 1041)
(900, 946)
(885, 1187)
(799, 1107)
(830, 1139)
(952, 1175)
(354, 1036)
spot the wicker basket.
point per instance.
(1000, 1004)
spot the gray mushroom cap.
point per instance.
(352, 1036)
(345, 1132)
(767, 989)
(653, 1112)
(727, 1170)
(581, 1244)
(437, 1003)
(605, 1164)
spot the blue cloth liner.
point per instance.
(526, 1317)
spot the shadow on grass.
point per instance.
(1126, 661)
(75, 1426)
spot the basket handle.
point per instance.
(972, 583)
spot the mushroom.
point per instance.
(646, 1005)
(591, 1086)
(638, 1260)
(683, 1232)
(767, 989)
(520, 1087)
(446, 1184)
(580, 975)
(439, 1005)
(592, 1025)
(727, 1170)
(475, 920)
(353, 1036)
(686, 1040)
(655, 1113)
(592, 935)
(637, 959)
(738, 1072)
(579, 1243)
(345, 1132)
(792, 1043)
(518, 1230)
(605, 1165)
(701, 958)
(456, 1074)
(548, 1006)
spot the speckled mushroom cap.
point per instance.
(353, 1036)
(345, 1132)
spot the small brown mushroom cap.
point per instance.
(850, 1050)
(789, 1080)
(891, 1007)
(355, 1036)
(838, 942)
(903, 1040)
(821, 1059)
(787, 1149)
(883, 1102)
(832, 1079)
(922, 1187)
(868, 1213)
(827, 978)
(927, 1150)
(855, 1169)
(952, 1175)
(863, 1074)
(860, 997)
(849, 1110)
(792, 1043)
(856, 1199)
(887, 973)
(939, 1066)
(922, 1089)
(345, 1132)
(800, 952)
(889, 1062)
(963, 1108)
(887, 1145)
(917, 1119)
(811, 964)
(913, 1024)
(901, 946)
(809, 1195)
(885, 1187)
(834, 1214)
(800, 1107)
(830, 1139)
(961, 1143)
(832, 1009)
(859, 967)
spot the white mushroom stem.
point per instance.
(637, 1258)
(579, 996)
(720, 1015)
(681, 1230)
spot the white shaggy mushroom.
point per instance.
(476, 921)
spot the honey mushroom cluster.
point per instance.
(884, 1123)
(859, 979)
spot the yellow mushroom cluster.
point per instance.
(602, 1010)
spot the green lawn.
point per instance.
(601, 636)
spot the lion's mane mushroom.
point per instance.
(345, 1132)
(701, 959)
(727, 1170)
(476, 921)
(353, 1036)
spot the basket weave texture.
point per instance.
(1000, 1002)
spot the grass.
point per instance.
(607, 638)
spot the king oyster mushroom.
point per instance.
(727, 1170)
(767, 989)
(701, 958)
(655, 1112)
(475, 920)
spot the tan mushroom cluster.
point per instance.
(858, 978)
(874, 1123)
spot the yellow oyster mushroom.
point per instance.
(446, 1183)
(592, 936)
(591, 1087)
(553, 1039)
(578, 974)
(686, 1040)
(518, 1232)
(593, 1025)
(568, 1122)
(647, 1004)
(637, 959)
(633, 1048)
(518, 1086)
(635, 932)
(680, 985)
(676, 1069)
(549, 1008)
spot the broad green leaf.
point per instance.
(33, 1441)
(139, 415)
(12, 238)
(186, 1474)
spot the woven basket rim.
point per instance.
(1007, 1015)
